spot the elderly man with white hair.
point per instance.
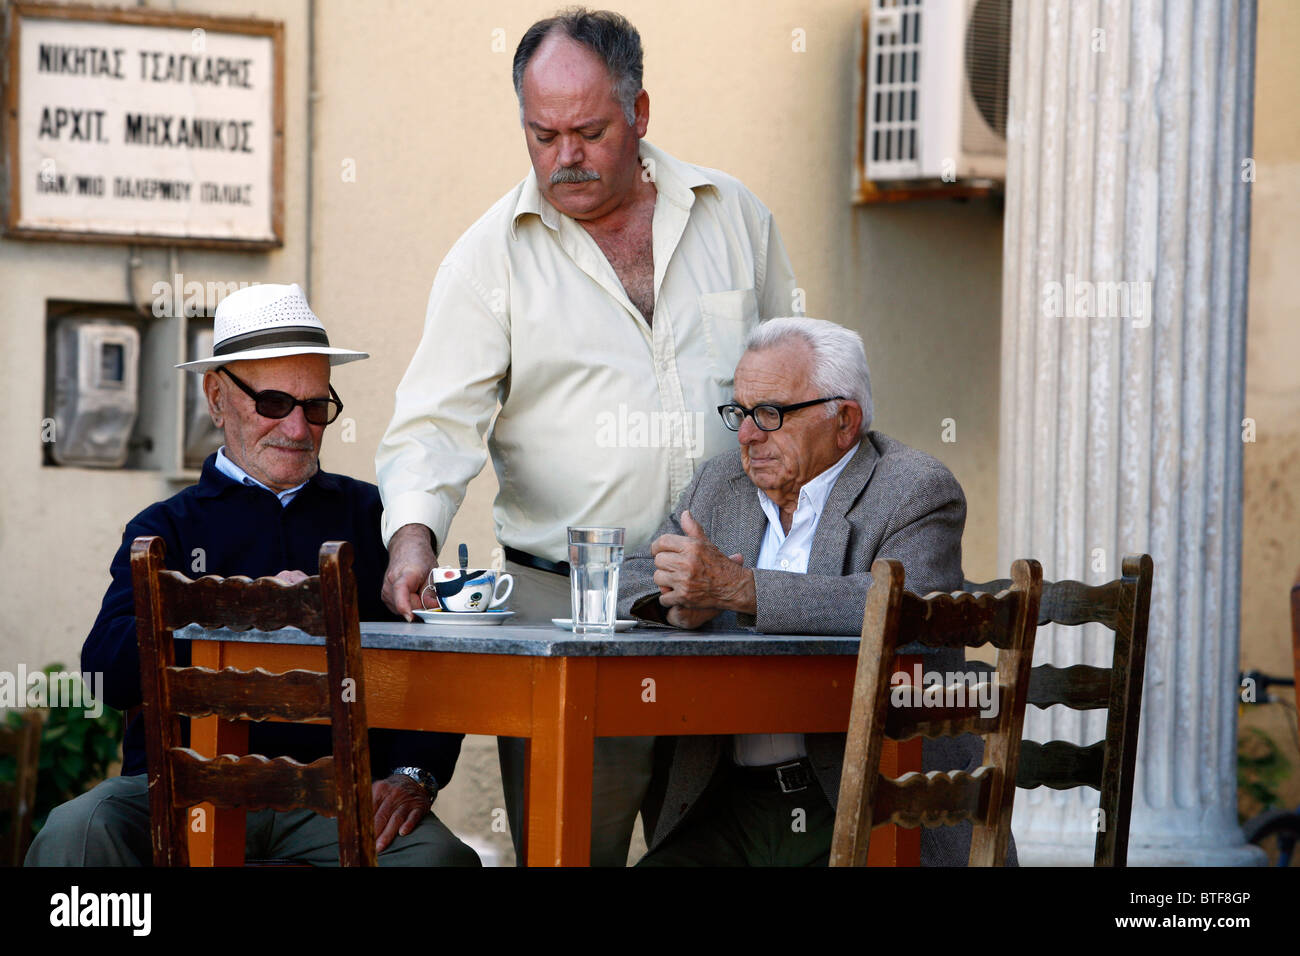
(779, 535)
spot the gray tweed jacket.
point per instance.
(890, 501)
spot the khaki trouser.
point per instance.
(621, 765)
(109, 826)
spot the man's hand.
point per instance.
(410, 556)
(400, 805)
(291, 577)
(688, 619)
(697, 581)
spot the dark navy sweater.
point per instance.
(244, 530)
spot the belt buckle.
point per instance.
(792, 777)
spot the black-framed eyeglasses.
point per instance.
(271, 403)
(767, 417)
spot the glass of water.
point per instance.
(595, 555)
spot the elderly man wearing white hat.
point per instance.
(262, 507)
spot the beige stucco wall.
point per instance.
(416, 97)
(1271, 485)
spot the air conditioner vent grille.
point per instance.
(895, 75)
(988, 53)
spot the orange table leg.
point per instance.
(216, 835)
(892, 845)
(558, 796)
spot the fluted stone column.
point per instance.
(1129, 142)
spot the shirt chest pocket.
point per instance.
(728, 319)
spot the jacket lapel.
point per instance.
(743, 521)
(831, 541)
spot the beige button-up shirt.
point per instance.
(603, 417)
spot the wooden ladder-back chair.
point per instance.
(895, 617)
(1295, 628)
(18, 799)
(325, 604)
(1108, 765)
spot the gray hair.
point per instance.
(838, 358)
(609, 35)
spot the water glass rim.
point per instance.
(588, 528)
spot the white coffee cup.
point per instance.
(467, 590)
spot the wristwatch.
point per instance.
(422, 777)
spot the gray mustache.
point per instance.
(570, 174)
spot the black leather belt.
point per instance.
(785, 777)
(533, 561)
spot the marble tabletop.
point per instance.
(550, 641)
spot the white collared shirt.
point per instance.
(604, 417)
(234, 472)
(788, 552)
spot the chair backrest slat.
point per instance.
(946, 710)
(1060, 765)
(254, 782)
(959, 619)
(325, 604)
(938, 724)
(1073, 602)
(240, 603)
(1079, 687)
(937, 798)
(1068, 602)
(233, 694)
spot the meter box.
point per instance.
(96, 391)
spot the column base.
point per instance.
(1180, 854)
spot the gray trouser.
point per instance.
(109, 826)
(621, 765)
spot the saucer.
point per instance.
(619, 625)
(473, 618)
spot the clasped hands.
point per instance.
(696, 581)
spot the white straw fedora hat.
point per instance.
(268, 321)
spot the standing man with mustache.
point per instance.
(615, 283)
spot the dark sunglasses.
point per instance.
(275, 404)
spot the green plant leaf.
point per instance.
(71, 764)
(75, 738)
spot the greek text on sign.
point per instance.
(161, 129)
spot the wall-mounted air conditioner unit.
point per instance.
(935, 104)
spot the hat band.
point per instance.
(293, 335)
